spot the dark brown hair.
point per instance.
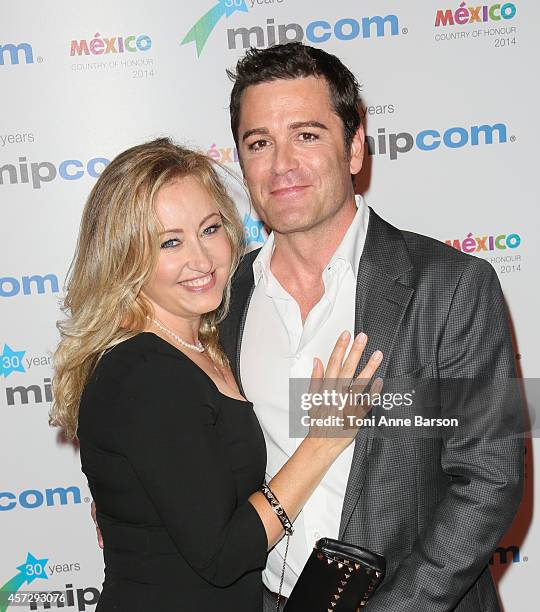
(292, 61)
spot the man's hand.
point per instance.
(98, 531)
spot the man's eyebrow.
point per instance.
(293, 126)
(304, 124)
(258, 131)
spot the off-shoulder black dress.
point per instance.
(171, 462)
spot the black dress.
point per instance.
(171, 462)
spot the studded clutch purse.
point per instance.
(338, 577)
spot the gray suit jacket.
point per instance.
(434, 505)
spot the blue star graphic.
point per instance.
(33, 568)
(11, 361)
(254, 229)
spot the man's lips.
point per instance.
(292, 191)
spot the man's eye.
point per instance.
(212, 229)
(257, 145)
(308, 136)
(172, 242)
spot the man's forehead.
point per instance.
(281, 95)
(291, 84)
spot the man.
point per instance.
(434, 506)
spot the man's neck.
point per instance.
(299, 258)
(307, 253)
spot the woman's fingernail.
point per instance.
(377, 355)
(361, 338)
(345, 335)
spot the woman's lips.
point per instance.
(203, 283)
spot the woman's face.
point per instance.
(195, 254)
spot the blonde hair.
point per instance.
(116, 254)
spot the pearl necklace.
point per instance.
(196, 347)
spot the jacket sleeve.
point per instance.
(482, 457)
(169, 439)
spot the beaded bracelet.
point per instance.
(278, 509)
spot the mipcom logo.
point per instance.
(36, 498)
(318, 31)
(14, 55)
(34, 568)
(202, 29)
(11, 361)
(31, 569)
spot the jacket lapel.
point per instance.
(381, 302)
(231, 329)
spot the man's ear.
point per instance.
(356, 157)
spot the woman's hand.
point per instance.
(98, 530)
(338, 401)
(327, 438)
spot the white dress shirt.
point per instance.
(277, 347)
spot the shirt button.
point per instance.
(297, 356)
(317, 536)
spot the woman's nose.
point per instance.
(199, 257)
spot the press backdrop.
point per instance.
(451, 93)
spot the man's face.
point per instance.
(293, 154)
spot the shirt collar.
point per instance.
(349, 250)
(261, 264)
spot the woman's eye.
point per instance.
(172, 242)
(212, 229)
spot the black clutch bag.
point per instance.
(338, 577)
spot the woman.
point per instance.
(174, 455)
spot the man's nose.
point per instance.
(284, 158)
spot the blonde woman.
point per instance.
(174, 455)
